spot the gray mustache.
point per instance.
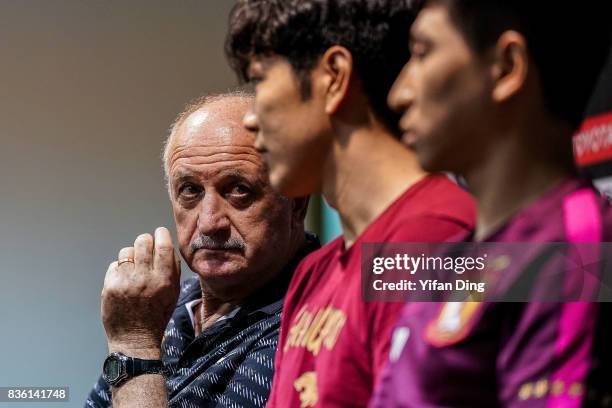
(207, 242)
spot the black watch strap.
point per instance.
(137, 366)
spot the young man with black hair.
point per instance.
(322, 69)
(493, 91)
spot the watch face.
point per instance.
(112, 368)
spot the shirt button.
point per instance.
(184, 364)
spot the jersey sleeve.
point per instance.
(547, 359)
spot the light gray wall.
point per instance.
(88, 89)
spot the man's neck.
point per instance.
(514, 174)
(209, 311)
(365, 173)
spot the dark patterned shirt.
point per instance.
(230, 364)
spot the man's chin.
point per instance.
(217, 263)
(215, 269)
(290, 185)
(433, 163)
(426, 158)
(278, 180)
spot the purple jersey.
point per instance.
(538, 354)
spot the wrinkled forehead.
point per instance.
(215, 129)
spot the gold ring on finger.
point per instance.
(124, 260)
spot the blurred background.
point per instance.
(88, 91)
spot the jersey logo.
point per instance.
(306, 385)
(314, 331)
(452, 324)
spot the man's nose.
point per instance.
(401, 95)
(213, 218)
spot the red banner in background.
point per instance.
(593, 141)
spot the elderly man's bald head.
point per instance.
(218, 117)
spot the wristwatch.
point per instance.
(118, 368)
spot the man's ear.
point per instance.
(335, 68)
(510, 67)
(299, 207)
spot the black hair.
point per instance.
(568, 41)
(375, 32)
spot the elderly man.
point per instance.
(241, 238)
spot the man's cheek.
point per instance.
(184, 246)
(185, 230)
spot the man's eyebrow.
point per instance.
(237, 174)
(240, 175)
(233, 172)
(182, 175)
(224, 174)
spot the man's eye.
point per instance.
(188, 191)
(240, 190)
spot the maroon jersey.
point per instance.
(333, 345)
(537, 354)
